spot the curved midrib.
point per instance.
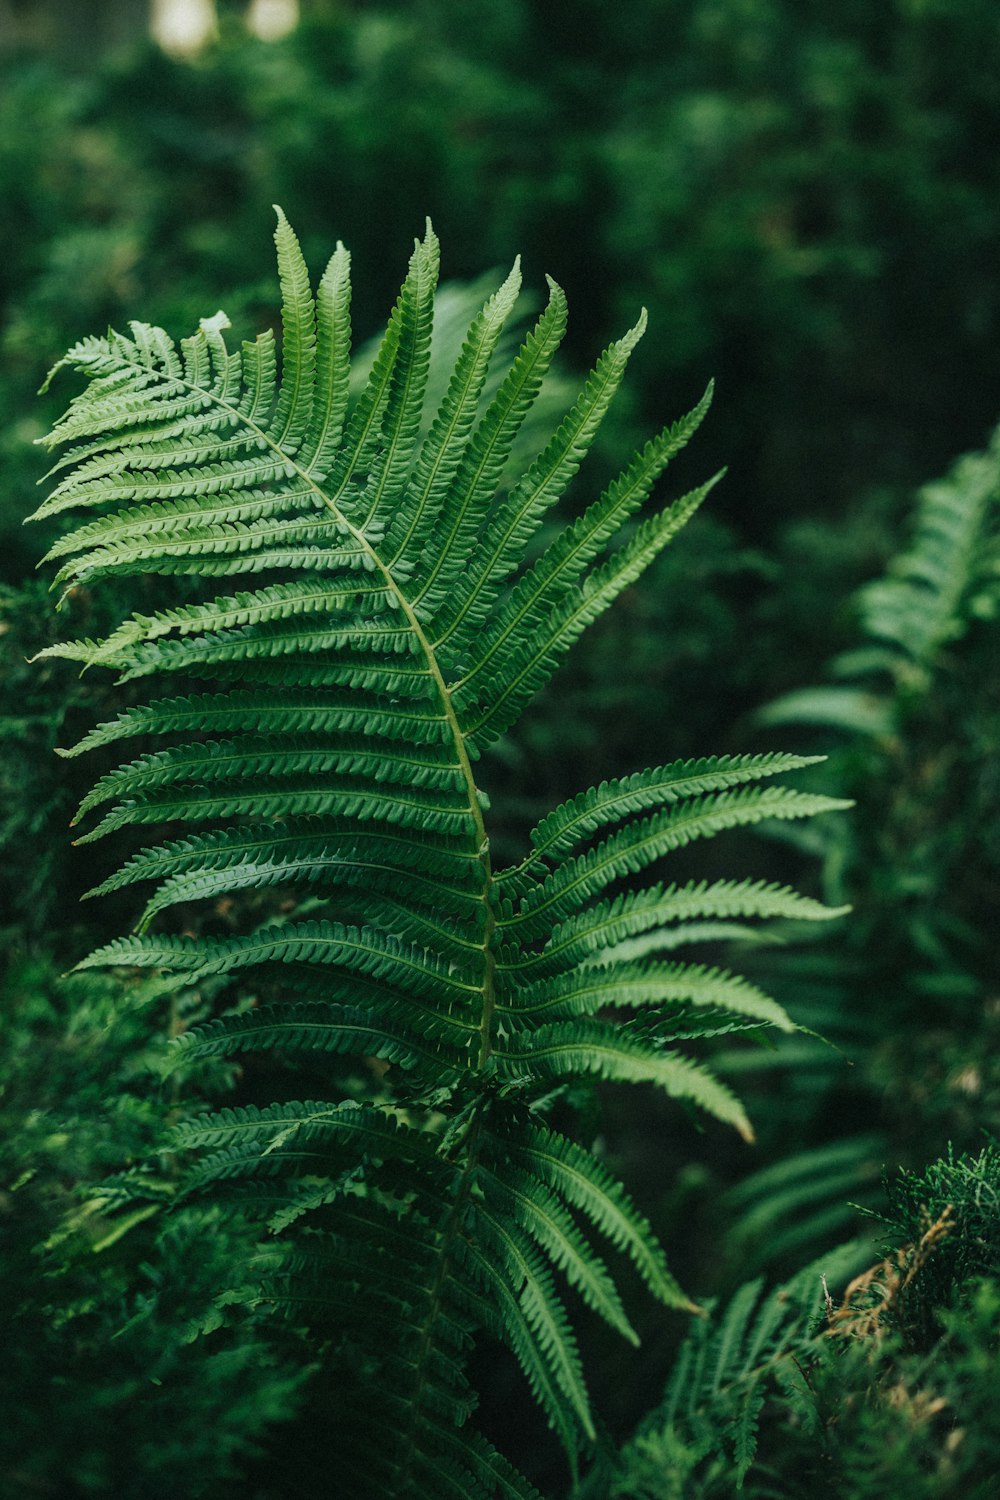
(434, 670)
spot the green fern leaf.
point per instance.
(383, 627)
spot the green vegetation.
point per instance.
(351, 703)
(790, 1394)
(805, 198)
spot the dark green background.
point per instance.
(806, 196)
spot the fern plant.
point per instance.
(702, 1438)
(397, 634)
(931, 596)
(910, 719)
(841, 1378)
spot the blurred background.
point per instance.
(806, 197)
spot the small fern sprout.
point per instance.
(361, 624)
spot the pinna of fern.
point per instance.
(396, 633)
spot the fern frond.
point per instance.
(312, 851)
(294, 713)
(931, 595)
(362, 949)
(653, 913)
(733, 1360)
(298, 341)
(505, 1314)
(264, 1127)
(631, 984)
(424, 1038)
(640, 844)
(544, 1313)
(523, 1200)
(925, 600)
(537, 629)
(556, 576)
(468, 500)
(569, 1048)
(803, 1200)
(575, 1175)
(447, 441)
(333, 363)
(400, 425)
(501, 549)
(383, 627)
(577, 820)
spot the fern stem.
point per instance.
(449, 1233)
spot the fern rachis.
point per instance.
(335, 754)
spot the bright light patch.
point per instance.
(183, 27)
(273, 19)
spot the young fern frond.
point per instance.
(929, 598)
(915, 693)
(948, 575)
(729, 1364)
(395, 633)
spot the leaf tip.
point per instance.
(216, 323)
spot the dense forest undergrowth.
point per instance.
(807, 204)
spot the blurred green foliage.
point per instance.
(806, 198)
(875, 1386)
(908, 714)
(120, 1375)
